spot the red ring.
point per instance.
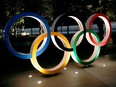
(89, 23)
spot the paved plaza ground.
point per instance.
(16, 72)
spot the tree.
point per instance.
(3, 18)
(41, 7)
(13, 7)
(84, 8)
(10, 8)
(47, 10)
(112, 10)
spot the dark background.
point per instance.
(50, 9)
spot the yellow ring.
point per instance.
(57, 68)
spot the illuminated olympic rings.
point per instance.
(95, 42)
(61, 65)
(69, 48)
(66, 56)
(107, 25)
(30, 15)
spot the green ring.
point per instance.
(75, 52)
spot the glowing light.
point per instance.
(104, 65)
(30, 76)
(39, 82)
(76, 72)
(65, 68)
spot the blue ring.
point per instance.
(8, 27)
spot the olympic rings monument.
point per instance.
(69, 47)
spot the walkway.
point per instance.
(102, 73)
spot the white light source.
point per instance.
(104, 65)
(39, 82)
(65, 68)
(30, 76)
(76, 72)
